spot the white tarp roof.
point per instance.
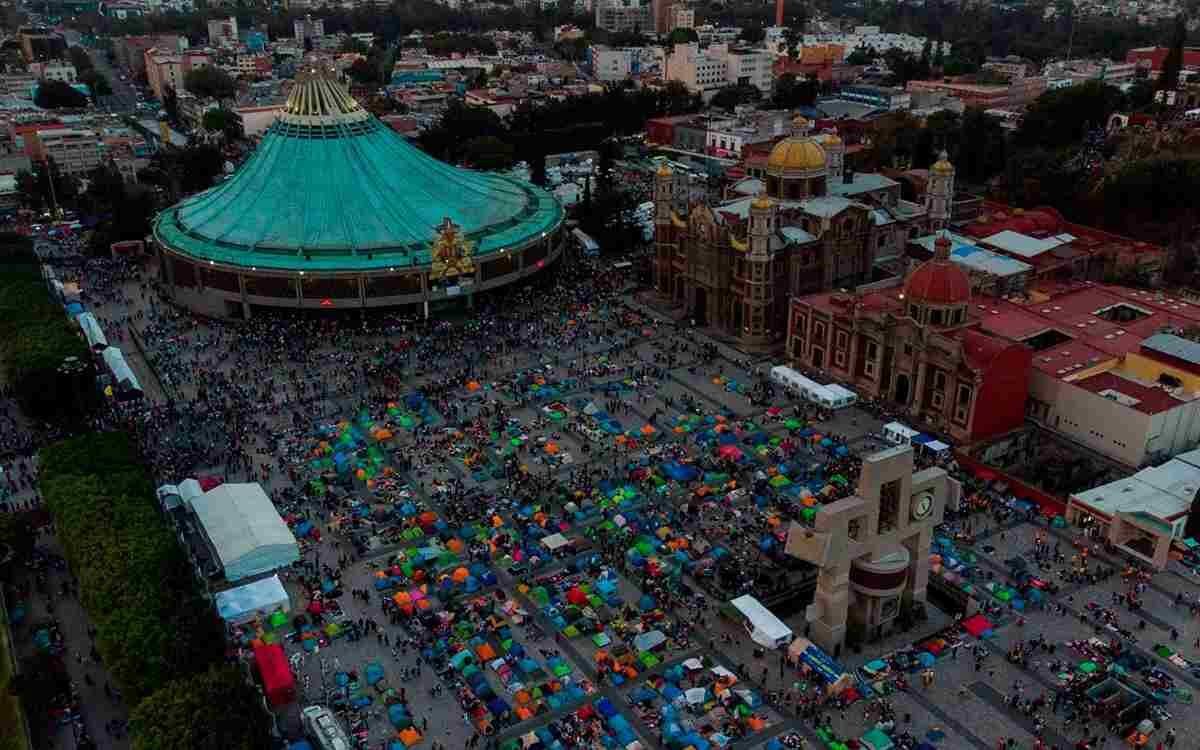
(246, 531)
(120, 369)
(260, 597)
(92, 330)
(554, 541)
(765, 623)
(901, 430)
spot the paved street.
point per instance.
(453, 457)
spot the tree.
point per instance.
(362, 72)
(983, 146)
(214, 709)
(731, 97)
(98, 84)
(223, 121)
(29, 189)
(488, 152)
(752, 34)
(1061, 117)
(792, 92)
(210, 82)
(59, 95)
(1173, 62)
(862, 56)
(682, 36)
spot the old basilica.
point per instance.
(815, 226)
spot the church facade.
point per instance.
(813, 226)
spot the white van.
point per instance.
(322, 727)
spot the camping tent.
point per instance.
(255, 599)
(765, 628)
(554, 541)
(244, 530)
(278, 682)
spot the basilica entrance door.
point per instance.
(700, 311)
(902, 389)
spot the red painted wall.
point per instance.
(1000, 403)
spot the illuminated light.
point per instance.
(301, 273)
(539, 264)
(326, 302)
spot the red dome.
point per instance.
(938, 282)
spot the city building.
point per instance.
(1057, 249)
(1081, 71)
(17, 84)
(618, 63)
(130, 51)
(223, 32)
(308, 221)
(41, 44)
(169, 71)
(879, 97)
(872, 549)
(54, 70)
(254, 66)
(1015, 94)
(1150, 59)
(308, 29)
(920, 348)
(682, 17)
(817, 226)
(706, 70)
(624, 16)
(1142, 514)
(1010, 66)
(660, 10)
(75, 152)
(1106, 374)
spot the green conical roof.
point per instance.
(332, 188)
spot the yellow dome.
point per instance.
(664, 170)
(797, 153)
(829, 139)
(762, 201)
(942, 165)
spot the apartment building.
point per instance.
(223, 32)
(624, 16)
(168, 71)
(1014, 95)
(54, 70)
(74, 151)
(707, 70)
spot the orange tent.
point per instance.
(648, 430)
(455, 545)
(551, 448)
(485, 652)
(459, 575)
(402, 598)
(472, 386)
(410, 736)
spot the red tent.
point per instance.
(278, 683)
(576, 596)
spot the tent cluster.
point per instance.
(353, 448)
(440, 566)
(473, 653)
(699, 705)
(594, 719)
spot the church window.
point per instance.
(962, 405)
(842, 340)
(935, 317)
(939, 380)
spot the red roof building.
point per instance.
(1152, 57)
(919, 348)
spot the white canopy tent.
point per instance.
(245, 530)
(764, 627)
(255, 599)
(554, 541)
